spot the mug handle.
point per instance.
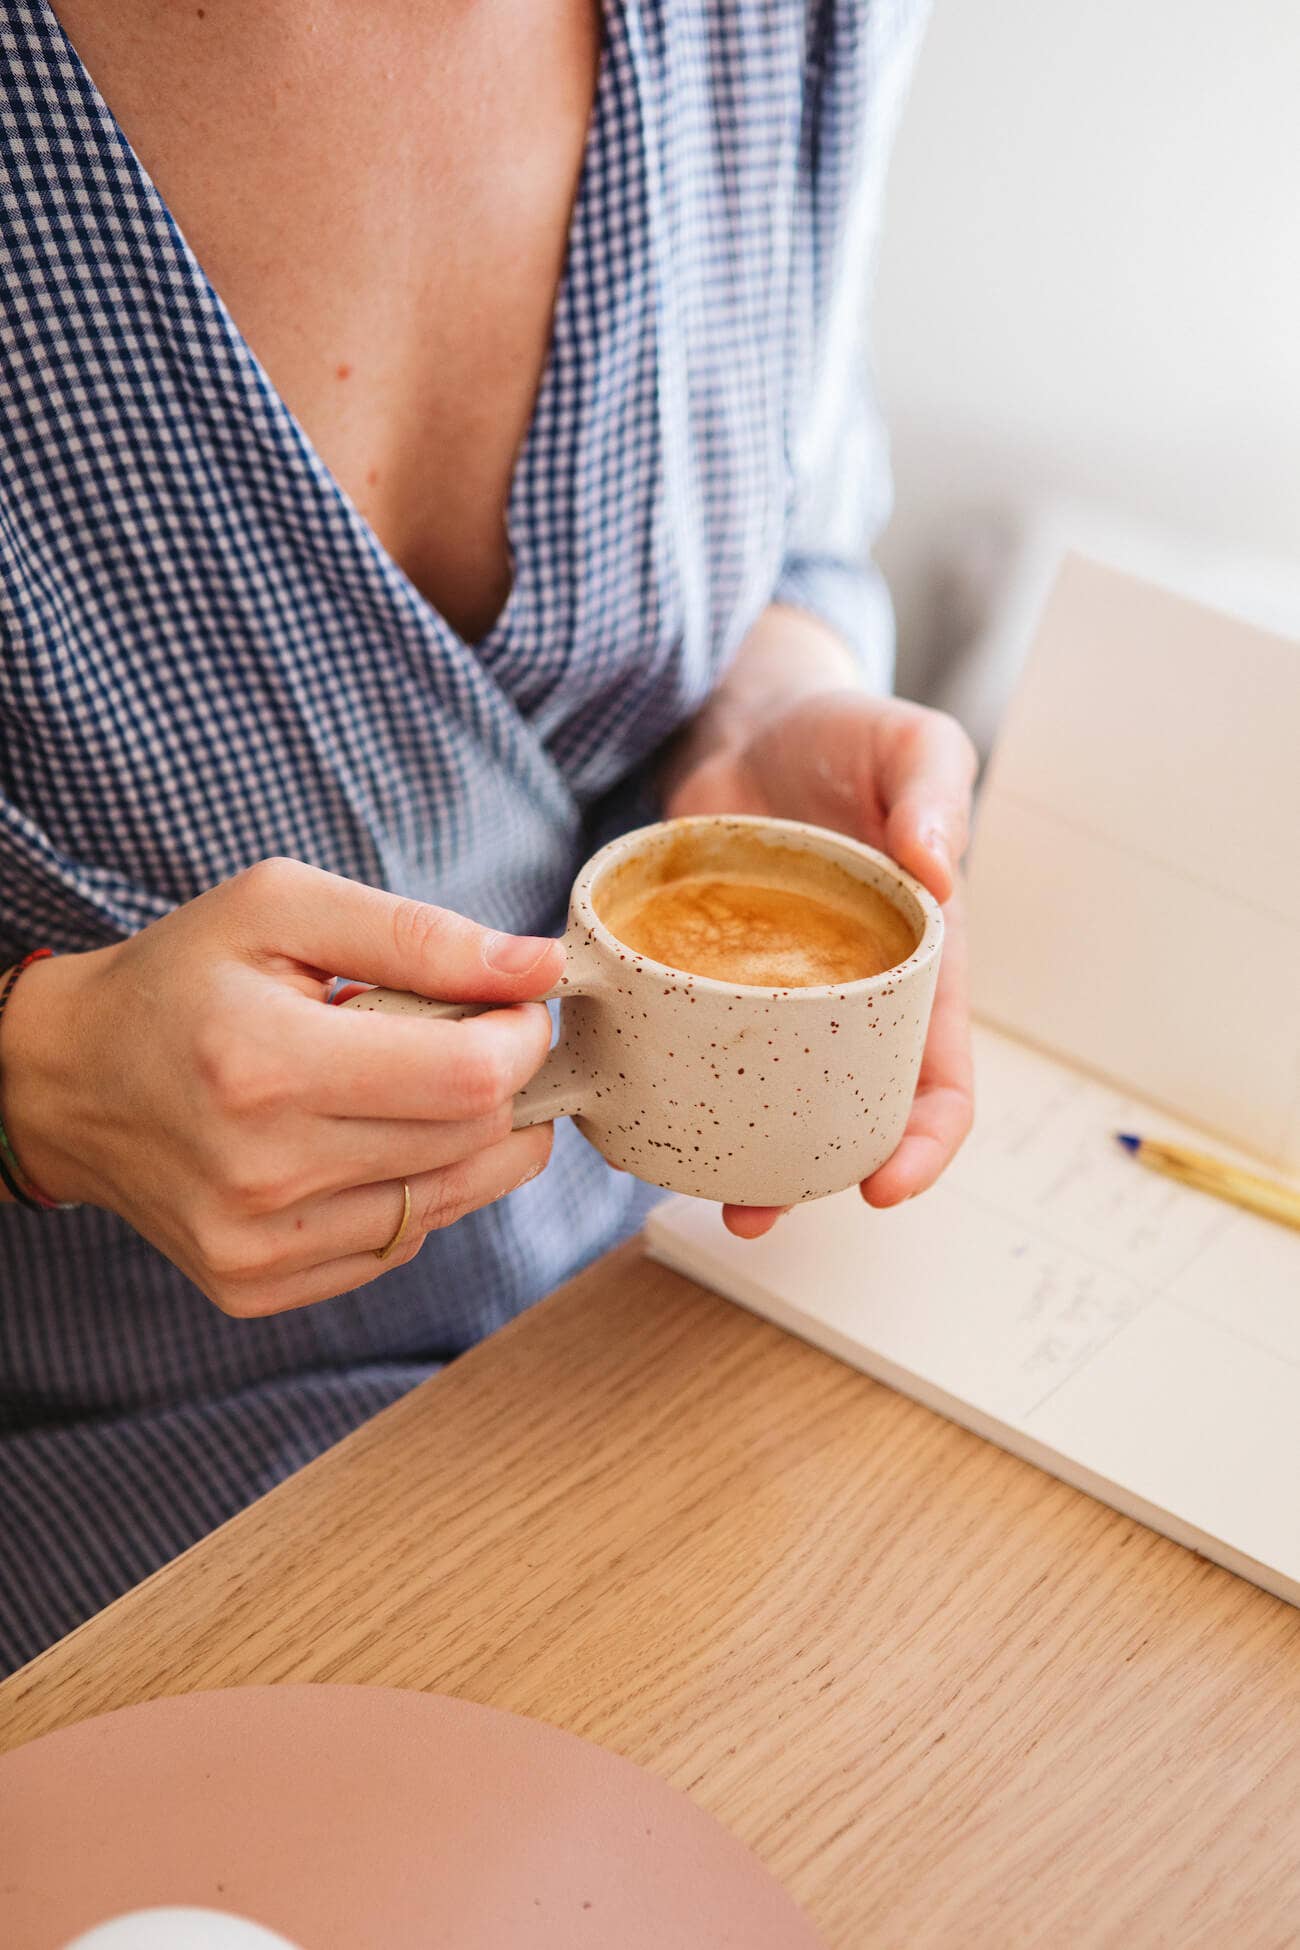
(561, 1087)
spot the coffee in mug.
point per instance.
(757, 1044)
(739, 910)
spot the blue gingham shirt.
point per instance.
(206, 656)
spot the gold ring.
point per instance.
(382, 1252)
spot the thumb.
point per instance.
(302, 915)
(926, 787)
(928, 838)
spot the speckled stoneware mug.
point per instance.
(750, 1096)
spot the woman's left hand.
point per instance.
(898, 776)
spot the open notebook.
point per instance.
(1136, 918)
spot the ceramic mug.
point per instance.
(749, 1096)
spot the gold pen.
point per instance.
(1198, 1169)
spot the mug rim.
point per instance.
(824, 839)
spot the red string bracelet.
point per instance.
(15, 1180)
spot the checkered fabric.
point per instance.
(206, 656)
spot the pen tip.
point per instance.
(1128, 1139)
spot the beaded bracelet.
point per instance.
(15, 1180)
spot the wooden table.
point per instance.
(946, 1699)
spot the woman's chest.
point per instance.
(204, 632)
(382, 199)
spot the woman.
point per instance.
(431, 440)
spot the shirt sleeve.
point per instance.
(860, 61)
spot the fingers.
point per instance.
(334, 1153)
(944, 1105)
(927, 768)
(329, 1246)
(352, 1063)
(355, 1151)
(290, 913)
(936, 1129)
(751, 1221)
(367, 1215)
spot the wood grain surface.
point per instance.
(948, 1700)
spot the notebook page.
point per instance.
(1136, 1338)
(1136, 868)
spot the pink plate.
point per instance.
(352, 1816)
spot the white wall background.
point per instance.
(1089, 281)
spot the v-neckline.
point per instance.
(256, 385)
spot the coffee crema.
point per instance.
(733, 926)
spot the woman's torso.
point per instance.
(211, 651)
(209, 654)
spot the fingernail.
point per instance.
(935, 840)
(528, 1177)
(515, 954)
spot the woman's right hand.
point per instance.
(193, 1080)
